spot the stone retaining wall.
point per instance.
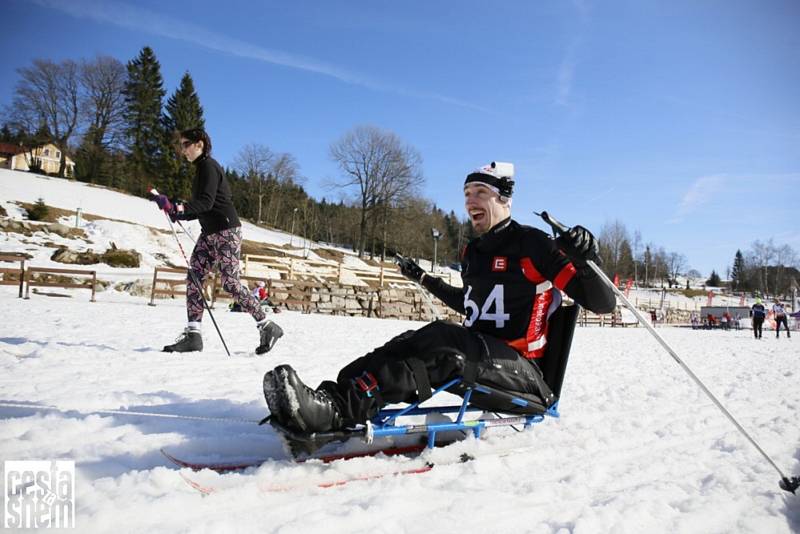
(335, 299)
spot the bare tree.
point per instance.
(409, 224)
(285, 172)
(102, 111)
(47, 98)
(636, 247)
(102, 102)
(612, 242)
(660, 268)
(254, 162)
(762, 255)
(785, 256)
(397, 188)
(379, 166)
(676, 263)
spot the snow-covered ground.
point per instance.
(638, 447)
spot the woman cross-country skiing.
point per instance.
(220, 243)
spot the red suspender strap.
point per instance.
(563, 278)
(530, 271)
(532, 346)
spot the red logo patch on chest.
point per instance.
(499, 264)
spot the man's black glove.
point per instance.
(580, 246)
(409, 268)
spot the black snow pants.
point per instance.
(406, 368)
(781, 319)
(758, 323)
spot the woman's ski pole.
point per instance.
(193, 277)
(786, 483)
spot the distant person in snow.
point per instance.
(512, 277)
(220, 243)
(758, 313)
(780, 318)
(260, 292)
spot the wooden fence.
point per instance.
(614, 319)
(172, 284)
(32, 272)
(18, 272)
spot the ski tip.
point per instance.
(169, 457)
(790, 484)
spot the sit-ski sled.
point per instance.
(510, 409)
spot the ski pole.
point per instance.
(193, 277)
(785, 483)
(187, 232)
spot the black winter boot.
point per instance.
(297, 406)
(189, 341)
(270, 333)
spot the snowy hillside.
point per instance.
(129, 222)
(133, 223)
(638, 447)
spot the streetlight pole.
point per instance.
(436, 236)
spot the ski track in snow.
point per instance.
(638, 448)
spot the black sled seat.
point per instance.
(520, 408)
(553, 365)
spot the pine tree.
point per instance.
(39, 211)
(738, 271)
(5, 134)
(91, 160)
(714, 280)
(144, 92)
(183, 111)
(625, 264)
(648, 264)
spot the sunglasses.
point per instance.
(186, 144)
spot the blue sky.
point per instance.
(680, 118)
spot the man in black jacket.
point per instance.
(758, 313)
(512, 277)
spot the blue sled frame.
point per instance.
(385, 423)
(553, 366)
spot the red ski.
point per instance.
(224, 467)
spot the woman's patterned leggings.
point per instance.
(223, 250)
